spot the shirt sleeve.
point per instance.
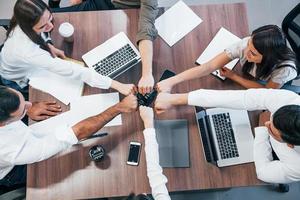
(267, 169)
(154, 171)
(36, 149)
(42, 59)
(146, 26)
(251, 99)
(283, 75)
(237, 50)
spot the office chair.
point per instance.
(291, 27)
(5, 24)
(17, 194)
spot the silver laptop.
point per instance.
(113, 57)
(226, 136)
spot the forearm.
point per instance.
(179, 99)
(267, 169)
(262, 147)
(245, 82)
(253, 84)
(156, 177)
(251, 99)
(192, 73)
(115, 84)
(146, 51)
(70, 69)
(204, 69)
(91, 125)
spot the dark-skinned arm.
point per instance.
(91, 125)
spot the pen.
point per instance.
(95, 135)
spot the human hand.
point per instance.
(224, 71)
(263, 118)
(164, 86)
(163, 102)
(43, 110)
(55, 52)
(75, 2)
(145, 84)
(128, 104)
(125, 89)
(147, 116)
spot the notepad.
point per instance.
(82, 108)
(176, 22)
(222, 40)
(91, 105)
(173, 141)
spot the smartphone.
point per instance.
(134, 153)
(167, 74)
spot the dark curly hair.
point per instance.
(287, 120)
(9, 103)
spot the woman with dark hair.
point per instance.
(264, 56)
(28, 48)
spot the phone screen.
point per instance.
(134, 151)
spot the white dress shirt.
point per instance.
(20, 57)
(154, 171)
(21, 145)
(287, 168)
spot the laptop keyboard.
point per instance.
(225, 135)
(116, 61)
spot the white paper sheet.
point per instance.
(87, 106)
(62, 88)
(176, 22)
(82, 108)
(220, 42)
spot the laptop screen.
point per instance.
(205, 133)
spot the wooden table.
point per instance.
(72, 175)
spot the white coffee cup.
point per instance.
(66, 30)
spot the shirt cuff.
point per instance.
(66, 134)
(229, 54)
(192, 97)
(99, 81)
(107, 82)
(147, 34)
(261, 133)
